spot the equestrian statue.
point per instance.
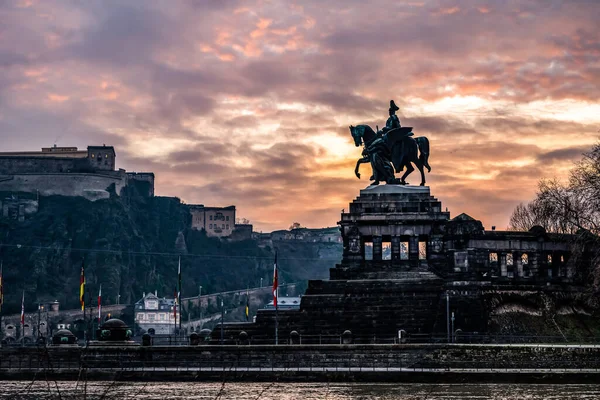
(391, 149)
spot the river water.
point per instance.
(41, 389)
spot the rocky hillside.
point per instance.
(129, 244)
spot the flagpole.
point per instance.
(99, 305)
(1, 296)
(23, 319)
(179, 294)
(222, 317)
(276, 298)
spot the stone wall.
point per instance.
(32, 165)
(90, 186)
(385, 360)
(146, 178)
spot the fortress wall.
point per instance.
(32, 165)
(90, 186)
(145, 177)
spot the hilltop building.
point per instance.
(156, 315)
(219, 222)
(68, 171)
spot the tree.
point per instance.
(295, 225)
(572, 207)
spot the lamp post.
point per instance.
(448, 314)
(222, 318)
(200, 304)
(452, 326)
(261, 282)
(118, 298)
(39, 319)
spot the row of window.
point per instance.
(386, 251)
(219, 217)
(216, 226)
(524, 258)
(153, 316)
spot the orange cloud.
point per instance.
(58, 98)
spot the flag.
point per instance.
(82, 287)
(247, 304)
(275, 282)
(23, 309)
(100, 304)
(1, 288)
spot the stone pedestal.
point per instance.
(399, 215)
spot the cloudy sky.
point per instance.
(249, 102)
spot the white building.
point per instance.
(155, 315)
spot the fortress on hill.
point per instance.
(68, 171)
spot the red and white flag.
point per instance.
(23, 309)
(100, 304)
(275, 283)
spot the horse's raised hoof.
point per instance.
(428, 168)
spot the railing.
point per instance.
(339, 363)
(463, 337)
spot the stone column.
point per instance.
(413, 250)
(395, 248)
(534, 259)
(518, 263)
(377, 241)
(502, 261)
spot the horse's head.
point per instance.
(356, 135)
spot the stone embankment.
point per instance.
(405, 362)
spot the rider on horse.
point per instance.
(393, 121)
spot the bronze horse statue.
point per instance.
(396, 146)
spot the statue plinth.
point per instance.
(390, 229)
(394, 189)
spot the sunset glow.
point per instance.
(249, 103)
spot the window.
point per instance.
(509, 259)
(404, 250)
(493, 258)
(227, 218)
(422, 250)
(210, 226)
(368, 251)
(386, 251)
(222, 226)
(211, 217)
(227, 226)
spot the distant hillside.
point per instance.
(129, 244)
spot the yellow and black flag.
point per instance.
(82, 286)
(247, 305)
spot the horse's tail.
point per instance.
(423, 144)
